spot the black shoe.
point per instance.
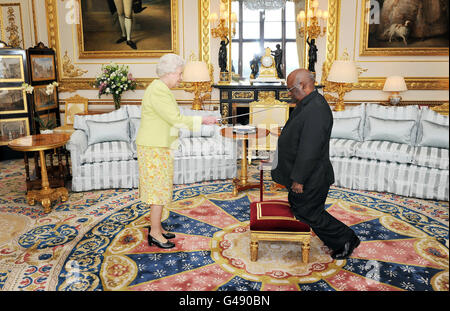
(152, 240)
(132, 44)
(122, 39)
(167, 235)
(347, 250)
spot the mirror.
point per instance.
(257, 29)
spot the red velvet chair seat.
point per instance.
(274, 215)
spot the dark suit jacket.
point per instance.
(303, 146)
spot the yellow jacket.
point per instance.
(161, 118)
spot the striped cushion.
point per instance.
(80, 121)
(343, 147)
(385, 151)
(431, 157)
(107, 151)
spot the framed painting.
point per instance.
(42, 67)
(404, 27)
(127, 28)
(13, 128)
(11, 68)
(14, 100)
(42, 100)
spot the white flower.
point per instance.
(28, 88)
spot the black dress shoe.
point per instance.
(167, 235)
(132, 44)
(347, 250)
(121, 39)
(152, 240)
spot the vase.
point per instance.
(116, 99)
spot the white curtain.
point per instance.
(299, 5)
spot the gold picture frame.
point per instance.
(394, 34)
(42, 67)
(11, 68)
(150, 41)
(43, 101)
(13, 128)
(368, 83)
(69, 75)
(14, 100)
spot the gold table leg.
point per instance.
(46, 195)
(242, 183)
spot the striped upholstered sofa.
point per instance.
(109, 160)
(402, 150)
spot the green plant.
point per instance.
(45, 123)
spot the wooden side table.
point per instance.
(241, 183)
(41, 143)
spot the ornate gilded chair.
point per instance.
(75, 104)
(267, 113)
(273, 220)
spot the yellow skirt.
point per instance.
(155, 174)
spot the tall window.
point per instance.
(257, 30)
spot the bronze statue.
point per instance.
(254, 66)
(312, 54)
(223, 55)
(278, 55)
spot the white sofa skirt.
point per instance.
(399, 178)
(125, 174)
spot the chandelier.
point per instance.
(264, 4)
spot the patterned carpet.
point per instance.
(98, 241)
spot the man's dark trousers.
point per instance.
(309, 207)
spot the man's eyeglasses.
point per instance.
(297, 85)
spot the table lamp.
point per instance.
(342, 75)
(395, 84)
(198, 75)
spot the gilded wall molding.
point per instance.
(204, 30)
(368, 83)
(10, 31)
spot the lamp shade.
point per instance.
(343, 71)
(395, 84)
(196, 71)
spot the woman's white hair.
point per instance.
(169, 63)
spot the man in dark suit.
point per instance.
(302, 164)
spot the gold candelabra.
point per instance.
(221, 30)
(311, 20)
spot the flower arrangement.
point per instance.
(115, 80)
(49, 123)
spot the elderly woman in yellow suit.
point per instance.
(156, 137)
